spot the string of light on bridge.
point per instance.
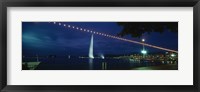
(110, 36)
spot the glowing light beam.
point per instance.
(119, 38)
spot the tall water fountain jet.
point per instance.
(91, 48)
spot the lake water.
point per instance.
(91, 64)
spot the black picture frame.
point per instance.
(100, 3)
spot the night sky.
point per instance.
(45, 38)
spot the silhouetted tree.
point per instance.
(136, 29)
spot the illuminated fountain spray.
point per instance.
(102, 57)
(91, 48)
(91, 56)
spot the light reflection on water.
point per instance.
(93, 64)
(90, 64)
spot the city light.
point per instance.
(114, 37)
(173, 55)
(144, 52)
(143, 40)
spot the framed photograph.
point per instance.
(87, 45)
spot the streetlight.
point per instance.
(173, 55)
(173, 58)
(144, 52)
(143, 40)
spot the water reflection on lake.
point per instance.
(94, 64)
